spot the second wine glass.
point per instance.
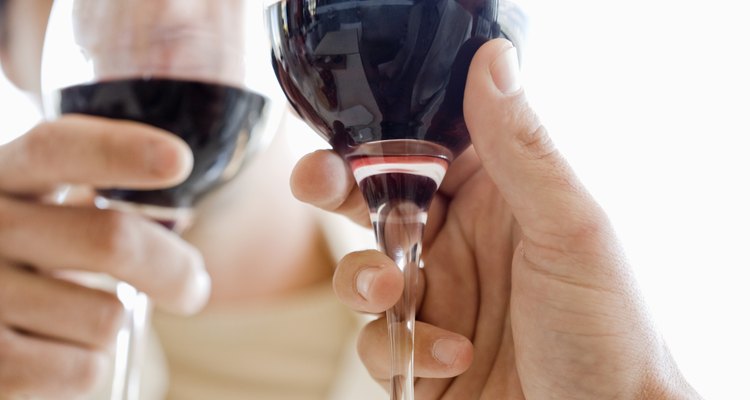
(383, 82)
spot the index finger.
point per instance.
(93, 151)
(324, 180)
(124, 246)
(550, 203)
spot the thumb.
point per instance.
(543, 192)
(575, 306)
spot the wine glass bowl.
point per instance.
(179, 66)
(216, 121)
(364, 71)
(383, 82)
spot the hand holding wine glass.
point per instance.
(383, 83)
(180, 66)
(56, 337)
(527, 294)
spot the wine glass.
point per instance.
(383, 82)
(184, 66)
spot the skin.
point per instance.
(190, 39)
(526, 293)
(27, 20)
(56, 335)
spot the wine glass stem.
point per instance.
(398, 231)
(132, 337)
(131, 343)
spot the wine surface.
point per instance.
(396, 179)
(215, 120)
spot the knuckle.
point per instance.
(108, 319)
(8, 381)
(89, 373)
(534, 142)
(8, 290)
(39, 134)
(105, 151)
(583, 240)
(529, 134)
(81, 375)
(7, 217)
(114, 237)
(6, 344)
(36, 143)
(587, 230)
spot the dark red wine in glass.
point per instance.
(215, 120)
(383, 83)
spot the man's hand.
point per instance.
(526, 293)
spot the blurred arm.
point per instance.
(23, 26)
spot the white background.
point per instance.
(650, 101)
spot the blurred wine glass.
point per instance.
(185, 66)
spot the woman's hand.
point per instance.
(56, 336)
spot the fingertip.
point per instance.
(490, 51)
(322, 179)
(196, 289)
(200, 292)
(438, 353)
(380, 287)
(455, 353)
(368, 281)
(171, 159)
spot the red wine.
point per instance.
(371, 71)
(396, 179)
(215, 120)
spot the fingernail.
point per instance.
(446, 351)
(364, 281)
(505, 71)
